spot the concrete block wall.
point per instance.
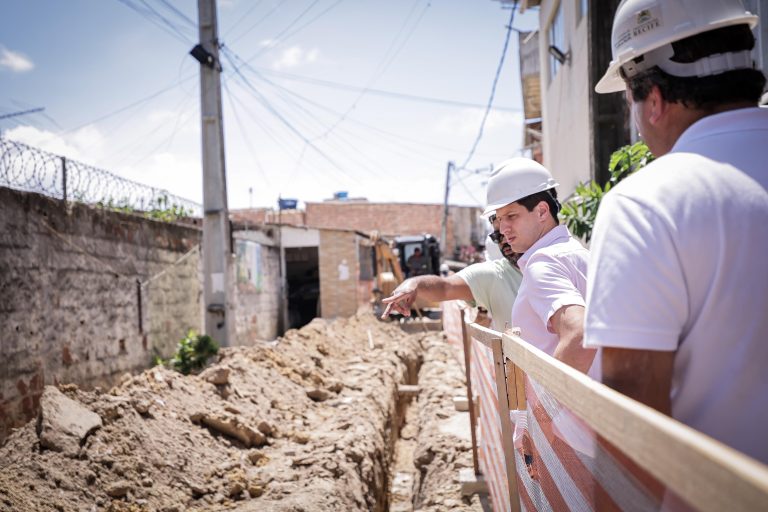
(257, 308)
(338, 296)
(69, 301)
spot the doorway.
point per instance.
(302, 271)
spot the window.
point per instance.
(557, 39)
(582, 6)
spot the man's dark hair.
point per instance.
(741, 85)
(548, 196)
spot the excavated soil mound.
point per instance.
(307, 423)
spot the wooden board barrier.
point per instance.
(704, 472)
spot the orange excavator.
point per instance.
(391, 257)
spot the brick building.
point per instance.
(465, 228)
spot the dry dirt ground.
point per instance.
(309, 423)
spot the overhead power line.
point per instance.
(380, 92)
(493, 88)
(152, 15)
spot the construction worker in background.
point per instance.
(678, 283)
(549, 308)
(416, 263)
(491, 284)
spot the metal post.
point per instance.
(64, 179)
(444, 230)
(216, 229)
(284, 318)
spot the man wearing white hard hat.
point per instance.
(678, 284)
(492, 284)
(549, 308)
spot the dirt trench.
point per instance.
(312, 422)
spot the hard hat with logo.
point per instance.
(515, 179)
(648, 27)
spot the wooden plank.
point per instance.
(467, 344)
(408, 389)
(484, 335)
(506, 424)
(515, 379)
(708, 474)
(522, 403)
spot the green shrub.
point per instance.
(193, 351)
(580, 211)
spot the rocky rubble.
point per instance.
(304, 424)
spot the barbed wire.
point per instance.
(33, 170)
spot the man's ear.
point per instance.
(542, 209)
(656, 104)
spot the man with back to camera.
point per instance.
(549, 308)
(678, 284)
(491, 284)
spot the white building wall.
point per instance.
(565, 99)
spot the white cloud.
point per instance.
(51, 142)
(312, 55)
(295, 56)
(181, 174)
(14, 61)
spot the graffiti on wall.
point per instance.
(249, 264)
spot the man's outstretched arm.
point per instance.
(430, 288)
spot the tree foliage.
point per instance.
(580, 211)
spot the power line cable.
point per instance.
(324, 108)
(493, 87)
(158, 20)
(243, 134)
(378, 92)
(131, 105)
(180, 14)
(242, 18)
(260, 97)
(286, 29)
(272, 135)
(363, 165)
(258, 22)
(382, 66)
(386, 133)
(309, 22)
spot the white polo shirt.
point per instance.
(680, 263)
(554, 275)
(494, 286)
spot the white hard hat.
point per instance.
(647, 27)
(515, 179)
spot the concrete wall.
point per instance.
(339, 286)
(256, 291)
(565, 109)
(70, 307)
(69, 302)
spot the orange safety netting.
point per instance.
(562, 464)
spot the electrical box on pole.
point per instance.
(217, 251)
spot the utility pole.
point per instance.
(444, 230)
(216, 229)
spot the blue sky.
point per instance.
(297, 119)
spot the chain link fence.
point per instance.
(23, 167)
